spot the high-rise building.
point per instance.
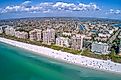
(23, 35)
(63, 42)
(10, 31)
(100, 48)
(49, 36)
(35, 34)
(77, 42)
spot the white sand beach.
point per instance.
(105, 65)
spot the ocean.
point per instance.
(20, 64)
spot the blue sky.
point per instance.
(60, 8)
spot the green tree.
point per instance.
(112, 55)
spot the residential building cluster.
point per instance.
(93, 30)
(98, 31)
(65, 33)
(48, 36)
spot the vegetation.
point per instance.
(39, 43)
(116, 58)
(87, 52)
(66, 36)
(53, 46)
(112, 56)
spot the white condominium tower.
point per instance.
(77, 42)
(35, 34)
(49, 36)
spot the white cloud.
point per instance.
(118, 12)
(112, 11)
(63, 5)
(14, 9)
(47, 11)
(49, 6)
(26, 2)
(75, 7)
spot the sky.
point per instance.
(60, 8)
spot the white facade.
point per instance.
(63, 42)
(35, 35)
(66, 34)
(77, 42)
(49, 36)
(100, 48)
(103, 35)
(10, 31)
(23, 35)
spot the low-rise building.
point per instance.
(63, 42)
(10, 31)
(22, 35)
(49, 36)
(66, 34)
(77, 42)
(35, 34)
(100, 48)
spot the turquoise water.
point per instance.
(19, 64)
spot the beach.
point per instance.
(104, 65)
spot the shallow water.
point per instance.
(20, 64)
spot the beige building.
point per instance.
(63, 42)
(35, 34)
(77, 42)
(23, 35)
(49, 36)
(10, 31)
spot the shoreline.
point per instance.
(92, 63)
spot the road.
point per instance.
(114, 36)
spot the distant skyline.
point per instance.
(60, 8)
